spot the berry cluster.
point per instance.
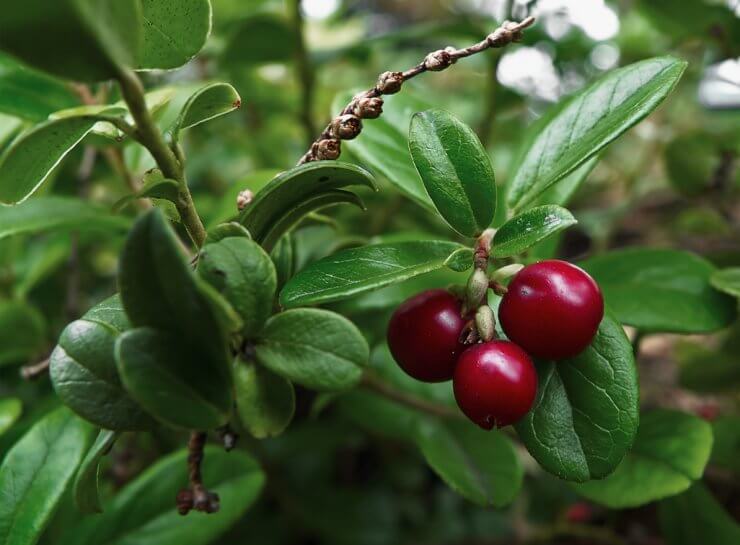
(550, 310)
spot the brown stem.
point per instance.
(197, 497)
(32, 372)
(327, 145)
(381, 387)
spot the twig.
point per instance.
(369, 104)
(196, 497)
(381, 387)
(114, 156)
(305, 71)
(32, 372)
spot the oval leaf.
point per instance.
(661, 290)
(357, 270)
(455, 169)
(528, 228)
(585, 415)
(86, 481)
(589, 121)
(727, 280)
(10, 411)
(207, 103)
(316, 348)
(265, 402)
(669, 454)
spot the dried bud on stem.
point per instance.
(328, 149)
(368, 107)
(389, 83)
(438, 60)
(243, 199)
(346, 127)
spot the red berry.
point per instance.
(552, 309)
(495, 383)
(579, 512)
(424, 335)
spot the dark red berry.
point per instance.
(579, 512)
(495, 383)
(552, 309)
(424, 335)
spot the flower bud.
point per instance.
(328, 149)
(369, 108)
(485, 322)
(243, 199)
(390, 82)
(346, 126)
(438, 60)
(476, 289)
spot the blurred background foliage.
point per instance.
(336, 478)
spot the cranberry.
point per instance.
(495, 383)
(579, 512)
(552, 309)
(424, 333)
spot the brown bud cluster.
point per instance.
(243, 199)
(390, 82)
(200, 500)
(346, 127)
(438, 60)
(368, 108)
(327, 149)
(505, 34)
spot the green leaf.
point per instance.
(154, 186)
(357, 270)
(36, 472)
(28, 94)
(207, 103)
(227, 230)
(481, 466)
(22, 332)
(584, 418)
(315, 348)
(265, 402)
(82, 40)
(174, 31)
(697, 517)
(171, 381)
(143, 513)
(669, 454)
(710, 369)
(31, 157)
(661, 290)
(726, 447)
(727, 280)
(243, 273)
(83, 370)
(284, 259)
(10, 411)
(58, 214)
(455, 169)
(530, 227)
(86, 481)
(289, 190)
(258, 39)
(589, 121)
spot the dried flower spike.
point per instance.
(346, 127)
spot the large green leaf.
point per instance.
(86, 481)
(174, 31)
(22, 332)
(455, 169)
(584, 418)
(481, 466)
(10, 411)
(661, 290)
(82, 40)
(206, 103)
(589, 121)
(357, 270)
(58, 214)
(143, 513)
(669, 454)
(83, 370)
(727, 280)
(316, 348)
(265, 401)
(528, 228)
(36, 472)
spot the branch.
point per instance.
(32, 372)
(196, 497)
(369, 104)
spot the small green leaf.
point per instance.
(481, 466)
(530, 227)
(243, 273)
(154, 186)
(22, 332)
(207, 103)
(265, 402)
(143, 513)
(588, 122)
(315, 348)
(86, 481)
(584, 418)
(669, 454)
(36, 472)
(658, 290)
(727, 280)
(455, 169)
(357, 270)
(10, 411)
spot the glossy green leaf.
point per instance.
(36, 472)
(669, 454)
(86, 482)
(283, 256)
(258, 39)
(315, 348)
(265, 401)
(81, 40)
(227, 230)
(83, 370)
(727, 280)
(10, 411)
(481, 466)
(28, 94)
(530, 227)
(697, 517)
(207, 103)
(243, 273)
(22, 332)
(661, 290)
(455, 169)
(589, 121)
(293, 187)
(584, 418)
(357, 270)
(143, 513)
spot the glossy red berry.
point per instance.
(495, 383)
(552, 309)
(424, 335)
